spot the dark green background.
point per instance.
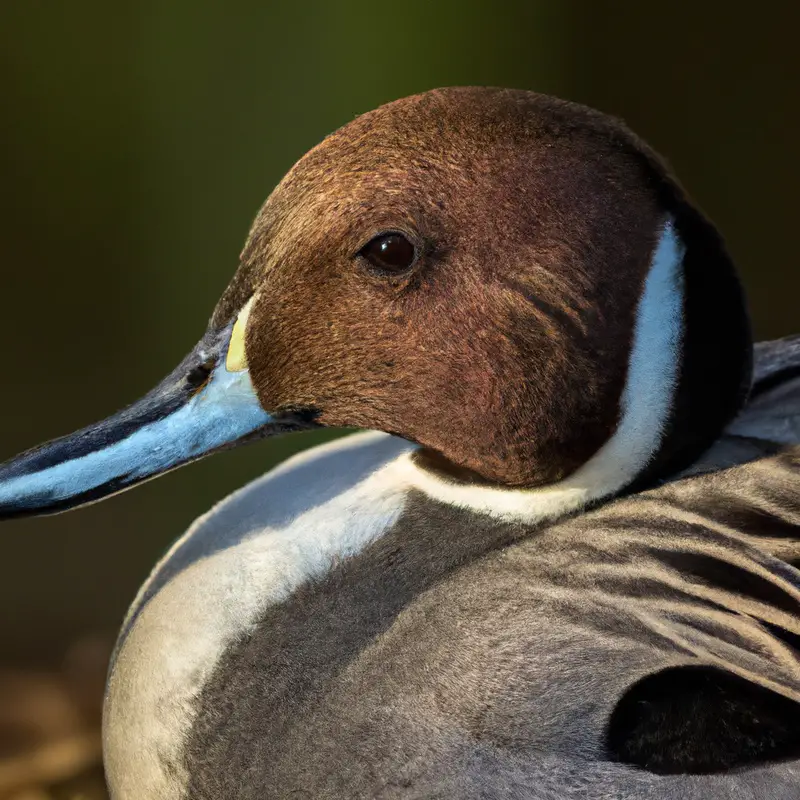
(138, 140)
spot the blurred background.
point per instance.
(138, 141)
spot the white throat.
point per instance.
(645, 403)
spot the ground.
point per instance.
(50, 728)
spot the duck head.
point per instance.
(514, 282)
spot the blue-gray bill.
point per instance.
(199, 409)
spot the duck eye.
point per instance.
(390, 252)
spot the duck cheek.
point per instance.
(286, 369)
(307, 354)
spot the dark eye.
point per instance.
(390, 252)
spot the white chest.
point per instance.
(248, 553)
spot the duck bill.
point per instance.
(204, 406)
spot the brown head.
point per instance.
(466, 269)
(504, 345)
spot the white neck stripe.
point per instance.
(646, 402)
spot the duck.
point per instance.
(560, 558)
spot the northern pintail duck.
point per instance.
(558, 565)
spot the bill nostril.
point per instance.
(198, 376)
